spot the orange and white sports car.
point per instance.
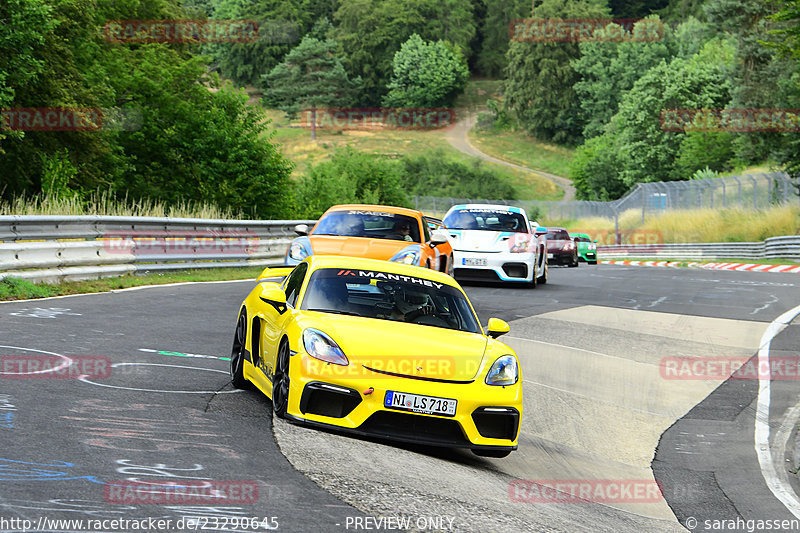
(374, 232)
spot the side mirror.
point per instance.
(595, 240)
(301, 229)
(540, 231)
(438, 237)
(497, 327)
(273, 294)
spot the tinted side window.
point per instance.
(294, 282)
(427, 231)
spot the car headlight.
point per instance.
(408, 258)
(504, 371)
(297, 251)
(593, 247)
(522, 246)
(320, 346)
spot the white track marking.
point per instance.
(156, 390)
(67, 362)
(775, 477)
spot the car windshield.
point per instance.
(582, 239)
(558, 236)
(370, 224)
(486, 219)
(387, 296)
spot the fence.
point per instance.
(756, 191)
(58, 248)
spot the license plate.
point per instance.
(549, 256)
(429, 405)
(476, 262)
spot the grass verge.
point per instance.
(19, 289)
(518, 148)
(696, 225)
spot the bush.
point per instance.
(350, 177)
(436, 175)
(355, 177)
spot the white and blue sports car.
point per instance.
(495, 243)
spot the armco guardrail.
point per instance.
(58, 248)
(773, 248)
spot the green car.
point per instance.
(587, 249)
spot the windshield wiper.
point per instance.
(335, 311)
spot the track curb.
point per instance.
(748, 267)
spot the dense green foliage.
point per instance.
(310, 76)
(187, 136)
(371, 31)
(425, 75)
(183, 135)
(540, 77)
(354, 177)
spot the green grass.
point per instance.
(517, 147)
(18, 289)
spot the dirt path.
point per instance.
(458, 138)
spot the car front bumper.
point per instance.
(499, 266)
(355, 404)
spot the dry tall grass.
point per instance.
(703, 225)
(106, 204)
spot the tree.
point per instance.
(350, 177)
(705, 149)
(758, 71)
(787, 41)
(494, 36)
(608, 70)
(282, 24)
(195, 139)
(595, 170)
(425, 75)
(647, 149)
(635, 8)
(371, 31)
(311, 75)
(539, 78)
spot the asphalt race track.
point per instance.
(155, 405)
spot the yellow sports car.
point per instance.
(380, 349)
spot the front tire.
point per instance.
(281, 381)
(543, 278)
(237, 352)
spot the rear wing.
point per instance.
(275, 272)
